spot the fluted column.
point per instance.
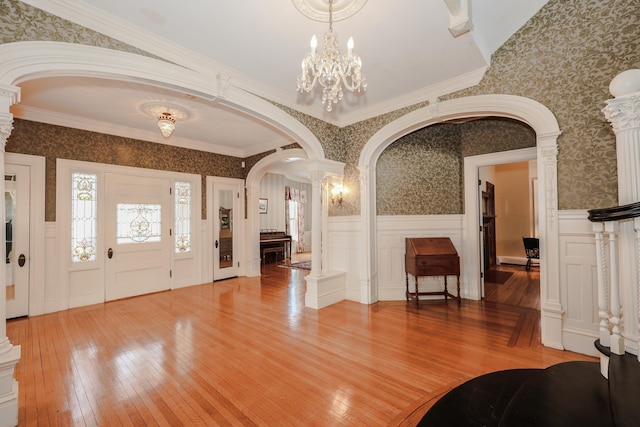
(9, 354)
(624, 114)
(324, 287)
(318, 209)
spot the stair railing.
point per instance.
(606, 226)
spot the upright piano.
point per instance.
(275, 242)
(431, 256)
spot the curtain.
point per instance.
(302, 202)
(287, 197)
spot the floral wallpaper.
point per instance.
(57, 142)
(422, 173)
(565, 57)
(22, 22)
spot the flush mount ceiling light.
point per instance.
(166, 116)
(329, 68)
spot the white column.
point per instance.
(253, 258)
(324, 287)
(624, 114)
(552, 311)
(318, 210)
(368, 269)
(9, 354)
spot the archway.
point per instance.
(252, 241)
(545, 125)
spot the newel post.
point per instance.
(624, 114)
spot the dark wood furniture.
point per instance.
(275, 242)
(431, 256)
(489, 226)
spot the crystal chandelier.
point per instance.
(167, 124)
(166, 116)
(330, 69)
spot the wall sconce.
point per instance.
(337, 191)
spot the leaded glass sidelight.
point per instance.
(83, 217)
(138, 223)
(183, 216)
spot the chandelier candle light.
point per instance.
(330, 69)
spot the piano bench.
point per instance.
(276, 250)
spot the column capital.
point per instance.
(623, 113)
(6, 126)
(9, 95)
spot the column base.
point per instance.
(325, 290)
(9, 388)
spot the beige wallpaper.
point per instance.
(422, 173)
(56, 142)
(564, 57)
(22, 22)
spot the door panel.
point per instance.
(17, 184)
(137, 233)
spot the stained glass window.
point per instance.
(138, 223)
(183, 216)
(83, 217)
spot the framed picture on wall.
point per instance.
(263, 205)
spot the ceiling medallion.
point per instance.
(318, 10)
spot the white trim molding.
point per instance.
(526, 110)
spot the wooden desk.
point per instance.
(431, 256)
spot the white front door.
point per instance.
(226, 206)
(17, 197)
(137, 232)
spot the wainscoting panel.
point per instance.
(50, 296)
(578, 280)
(392, 231)
(345, 252)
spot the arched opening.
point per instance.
(545, 125)
(24, 61)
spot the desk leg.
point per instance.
(458, 283)
(417, 298)
(446, 290)
(406, 278)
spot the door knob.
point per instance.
(21, 260)
(110, 253)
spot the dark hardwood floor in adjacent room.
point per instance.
(522, 289)
(247, 352)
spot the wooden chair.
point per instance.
(531, 249)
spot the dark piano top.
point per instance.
(274, 235)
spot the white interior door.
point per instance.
(225, 248)
(137, 233)
(17, 199)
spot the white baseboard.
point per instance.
(515, 260)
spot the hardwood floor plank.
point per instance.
(246, 352)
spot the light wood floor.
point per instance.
(247, 352)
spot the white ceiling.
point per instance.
(408, 53)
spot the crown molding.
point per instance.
(65, 120)
(429, 93)
(116, 28)
(111, 26)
